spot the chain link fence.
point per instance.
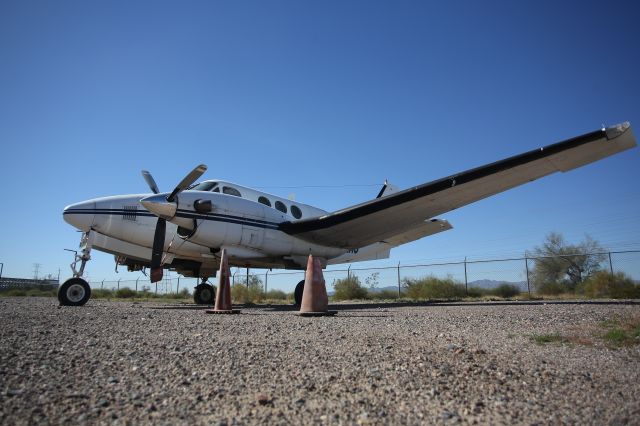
(473, 274)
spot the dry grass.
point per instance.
(618, 332)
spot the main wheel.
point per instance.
(297, 294)
(74, 292)
(205, 294)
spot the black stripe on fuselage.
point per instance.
(112, 212)
(228, 219)
(256, 223)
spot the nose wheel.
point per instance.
(74, 292)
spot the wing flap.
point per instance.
(396, 214)
(428, 227)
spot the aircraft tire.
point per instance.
(74, 292)
(205, 294)
(297, 294)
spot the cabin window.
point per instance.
(231, 191)
(264, 200)
(295, 211)
(280, 206)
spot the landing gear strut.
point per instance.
(76, 291)
(204, 294)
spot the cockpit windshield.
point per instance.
(205, 186)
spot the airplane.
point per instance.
(185, 230)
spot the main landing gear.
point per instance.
(297, 294)
(76, 291)
(204, 294)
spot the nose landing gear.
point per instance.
(76, 291)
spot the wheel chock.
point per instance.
(223, 294)
(315, 302)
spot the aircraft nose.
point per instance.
(158, 205)
(80, 215)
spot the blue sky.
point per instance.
(300, 94)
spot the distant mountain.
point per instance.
(381, 289)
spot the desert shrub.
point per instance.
(506, 290)
(385, 294)
(126, 293)
(275, 295)
(98, 293)
(240, 293)
(349, 289)
(431, 287)
(32, 292)
(615, 286)
(13, 292)
(182, 294)
(476, 292)
(551, 288)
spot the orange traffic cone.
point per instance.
(314, 297)
(223, 295)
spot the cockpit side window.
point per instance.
(203, 186)
(231, 191)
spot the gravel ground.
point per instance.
(130, 363)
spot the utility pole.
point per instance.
(36, 270)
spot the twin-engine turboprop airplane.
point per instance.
(185, 230)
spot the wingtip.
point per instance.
(616, 130)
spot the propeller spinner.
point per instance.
(165, 208)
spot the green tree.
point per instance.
(561, 267)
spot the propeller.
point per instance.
(150, 181)
(165, 208)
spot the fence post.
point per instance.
(610, 264)
(178, 286)
(119, 283)
(349, 272)
(137, 284)
(466, 288)
(399, 292)
(526, 266)
(266, 280)
(102, 285)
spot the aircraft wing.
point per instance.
(398, 213)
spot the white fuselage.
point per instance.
(245, 225)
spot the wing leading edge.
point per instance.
(396, 214)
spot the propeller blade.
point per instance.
(150, 181)
(188, 180)
(156, 251)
